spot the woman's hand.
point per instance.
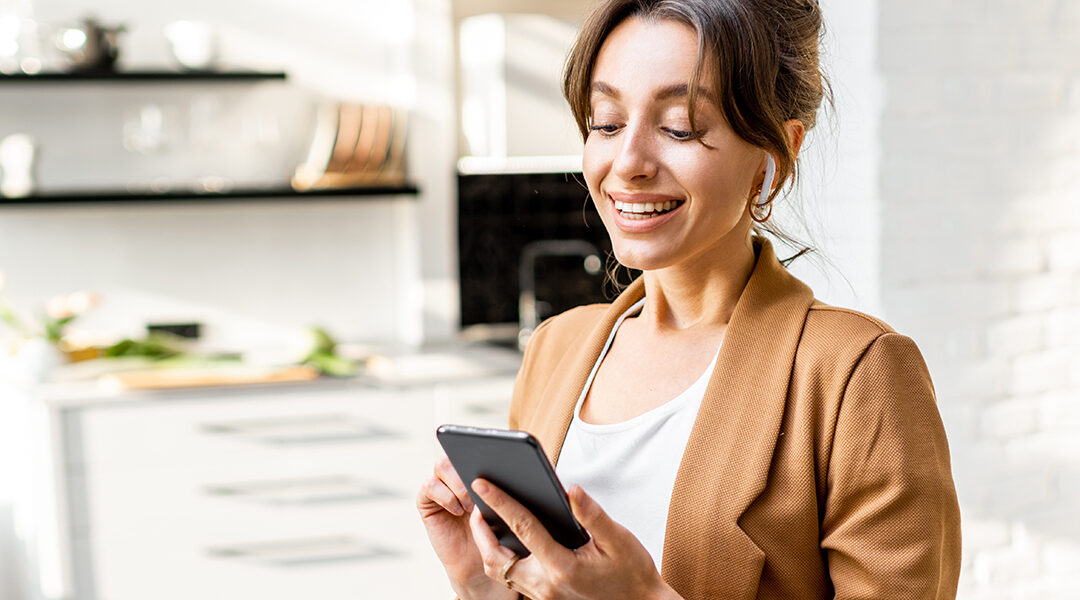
(444, 506)
(613, 564)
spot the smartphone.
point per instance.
(515, 462)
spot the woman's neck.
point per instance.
(701, 292)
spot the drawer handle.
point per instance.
(305, 429)
(304, 491)
(309, 551)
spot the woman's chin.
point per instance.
(642, 259)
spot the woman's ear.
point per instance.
(796, 134)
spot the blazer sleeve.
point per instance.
(891, 522)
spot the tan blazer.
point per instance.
(817, 467)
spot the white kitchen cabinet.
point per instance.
(279, 492)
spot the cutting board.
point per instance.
(218, 376)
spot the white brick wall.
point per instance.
(980, 199)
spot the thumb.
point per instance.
(590, 514)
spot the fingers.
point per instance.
(587, 511)
(484, 536)
(607, 535)
(525, 526)
(435, 496)
(494, 555)
(591, 516)
(444, 491)
(449, 476)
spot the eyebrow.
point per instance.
(676, 90)
(605, 89)
(680, 90)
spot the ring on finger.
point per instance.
(505, 570)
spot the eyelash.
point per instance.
(604, 129)
(682, 136)
(676, 134)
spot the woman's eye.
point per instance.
(679, 134)
(604, 129)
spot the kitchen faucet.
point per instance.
(528, 315)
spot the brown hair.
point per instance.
(763, 57)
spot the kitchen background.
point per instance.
(942, 194)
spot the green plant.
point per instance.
(324, 357)
(60, 312)
(155, 345)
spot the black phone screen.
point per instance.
(515, 462)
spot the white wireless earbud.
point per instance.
(766, 185)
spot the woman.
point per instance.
(737, 438)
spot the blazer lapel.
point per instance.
(727, 458)
(568, 379)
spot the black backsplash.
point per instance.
(498, 215)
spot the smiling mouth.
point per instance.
(646, 210)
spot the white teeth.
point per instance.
(644, 210)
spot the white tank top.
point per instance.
(629, 468)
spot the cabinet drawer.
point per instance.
(336, 566)
(222, 547)
(247, 429)
(269, 495)
(215, 526)
(126, 501)
(390, 457)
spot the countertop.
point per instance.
(388, 369)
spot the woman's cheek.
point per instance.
(592, 167)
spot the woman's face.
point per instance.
(665, 198)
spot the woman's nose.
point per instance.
(636, 159)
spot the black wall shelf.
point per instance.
(253, 194)
(162, 76)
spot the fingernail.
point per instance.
(481, 487)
